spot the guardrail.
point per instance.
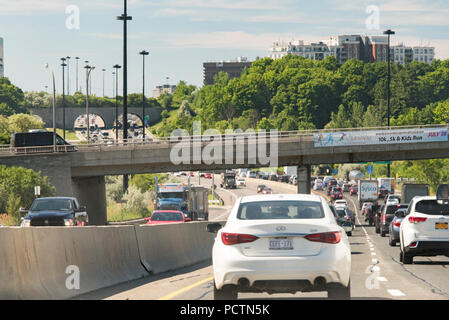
(304, 135)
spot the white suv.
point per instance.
(424, 231)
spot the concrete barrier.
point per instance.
(33, 261)
(171, 246)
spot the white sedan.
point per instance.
(281, 243)
(241, 182)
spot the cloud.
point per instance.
(172, 12)
(231, 40)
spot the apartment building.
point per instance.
(233, 68)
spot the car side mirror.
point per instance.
(213, 227)
(188, 220)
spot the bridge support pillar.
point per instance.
(91, 192)
(303, 177)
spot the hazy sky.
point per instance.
(182, 34)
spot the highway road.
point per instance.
(376, 270)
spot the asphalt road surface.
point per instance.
(376, 271)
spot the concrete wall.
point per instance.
(107, 114)
(33, 261)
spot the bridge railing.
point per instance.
(303, 135)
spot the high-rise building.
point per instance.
(233, 68)
(2, 64)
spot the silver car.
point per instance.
(399, 215)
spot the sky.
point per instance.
(182, 34)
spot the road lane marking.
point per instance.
(382, 279)
(177, 293)
(396, 293)
(373, 253)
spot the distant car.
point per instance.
(177, 174)
(424, 231)
(241, 182)
(395, 225)
(190, 174)
(1, 225)
(251, 174)
(344, 220)
(383, 193)
(318, 185)
(279, 244)
(267, 191)
(353, 191)
(260, 187)
(55, 211)
(208, 175)
(167, 216)
(341, 203)
(336, 193)
(387, 216)
(393, 199)
(346, 187)
(284, 178)
(272, 177)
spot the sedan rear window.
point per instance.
(432, 207)
(166, 216)
(280, 210)
(391, 209)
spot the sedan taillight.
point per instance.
(326, 237)
(397, 223)
(235, 238)
(416, 219)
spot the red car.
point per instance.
(353, 190)
(166, 216)
(267, 191)
(207, 176)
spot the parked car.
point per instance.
(424, 231)
(281, 243)
(260, 187)
(251, 174)
(167, 216)
(55, 211)
(395, 224)
(272, 177)
(387, 216)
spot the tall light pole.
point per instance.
(143, 53)
(63, 96)
(68, 75)
(88, 71)
(54, 106)
(77, 58)
(103, 80)
(388, 33)
(125, 18)
(116, 67)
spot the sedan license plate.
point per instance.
(281, 244)
(441, 226)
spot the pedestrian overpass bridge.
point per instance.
(81, 173)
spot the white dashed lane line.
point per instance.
(396, 293)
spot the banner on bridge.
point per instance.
(351, 138)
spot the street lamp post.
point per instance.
(116, 67)
(63, 96)
(125, 18)
(68, 75)
(143, 53)
(88, 71)
(77, 58)
(54, 106)
(388, 33)
(103, 80)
